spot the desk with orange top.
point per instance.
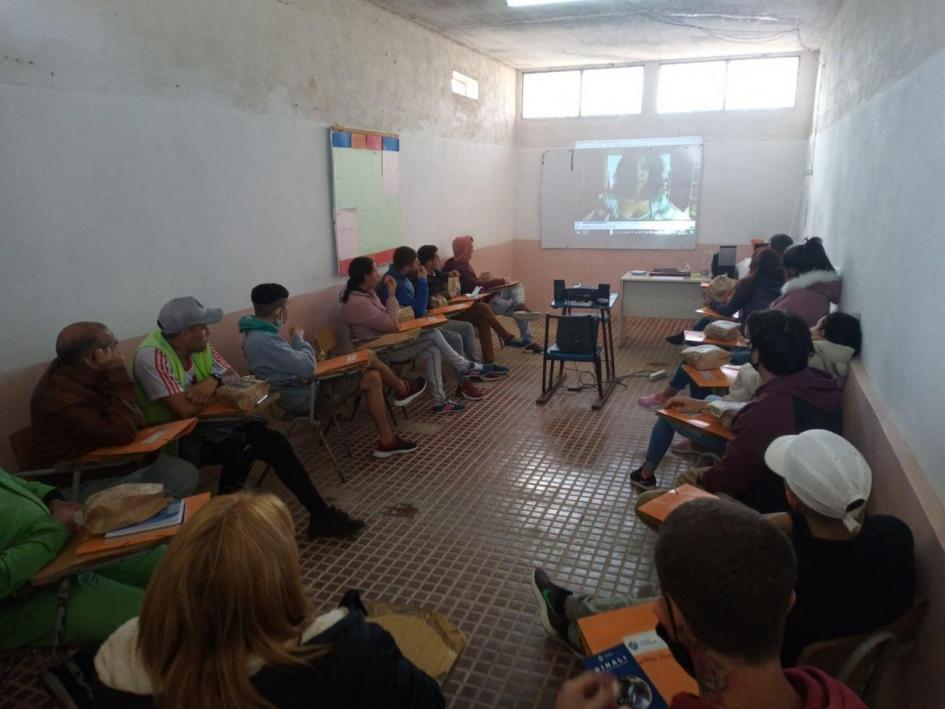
(695, 337)
(706, 423)
(722, 378)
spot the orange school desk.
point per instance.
(660, 507)
(694, 337)
(451, 309)
(720, 378)
(704, 422)
(344, 363)
(712, 315)
(427, 321)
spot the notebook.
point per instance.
(635, 689)
(171, 515)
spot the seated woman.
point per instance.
(754, 292)
(813, 283)
(366, 317)
(226, 622)
(508, 301)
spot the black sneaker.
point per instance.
(641, 483)
(333, 523)
(678, 339)
(551, 599)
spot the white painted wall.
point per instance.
(753, 161)
(152, 149)
(876, 198)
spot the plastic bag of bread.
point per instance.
(725, 411)
(723, 330)
(705, 356)
(242, 392)
(121, 505)
(720, 288)
(405, 313)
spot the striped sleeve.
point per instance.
(153, 372)
(220, 365)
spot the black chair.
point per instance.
(575, 341)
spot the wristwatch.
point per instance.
(218, 378)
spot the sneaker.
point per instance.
(400, 445)
(415, 387)
(678, 339)
(551, 599)
(497, 369)
(474, 370)
(449, 407)
(526, 315)
(487, 377)
(334, 523)
(641, 483)
(468, 390)
(534, 347)
(653, 401)
(683, 447)
(515, 342)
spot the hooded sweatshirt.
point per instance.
(364, 669)
(828, 357)
(786, 405)
(286, 366)
(367, 317)
(749, 297)
(809, 295)
(818, 690)
(468, 280)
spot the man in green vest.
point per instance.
(177, 372)
(35, 523)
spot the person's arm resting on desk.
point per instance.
(417, 300)
(29, 544)
(734, 304)
(156, 377)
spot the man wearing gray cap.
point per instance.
(177, 372)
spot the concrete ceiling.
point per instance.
(615, 31)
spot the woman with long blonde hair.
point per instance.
(225, 622)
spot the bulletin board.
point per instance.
(365, 194)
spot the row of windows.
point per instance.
(735, 84)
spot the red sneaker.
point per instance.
(415, 387)
(470, 391)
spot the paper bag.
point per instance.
(425, 638)
(705, 356)
(243, 393)
(725, 411)
(453, 286)
(121, 505)
(720, 288)
(405, 314)
(723, 330)
(438, 301)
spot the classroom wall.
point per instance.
(152, 149)
(875, 197)
(753, 169)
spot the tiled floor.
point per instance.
(459, 525)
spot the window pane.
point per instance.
(609, 92)
(762, 83)
(553, 94)
(699, 86)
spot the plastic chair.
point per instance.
(554, 354)
(860, 661)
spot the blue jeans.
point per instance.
(662, 436)
(681, 380)
(740, 356)
(702, 324)
(178, 477)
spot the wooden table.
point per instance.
(706, 423)
(645, 296)
(694, 337)
(427, 321)
(721, 378)
(68, 562)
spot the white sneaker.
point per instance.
(526, 315)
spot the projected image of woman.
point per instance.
(637, 192)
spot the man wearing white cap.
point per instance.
(177, 372)
(856, 572)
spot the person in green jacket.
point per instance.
(35, 523)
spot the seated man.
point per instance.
(288, 366)
(480, 314)
(792, 398)
(413, 291)
(35, 524)
(177, 372)
(839, 550)
(727, 578)
(86, 400)
(508, 301)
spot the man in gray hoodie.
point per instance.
(289, 367)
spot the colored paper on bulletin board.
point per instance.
(391, 169)
(346, 233)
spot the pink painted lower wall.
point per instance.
(900, 488)
(537, 267)
(311, 311)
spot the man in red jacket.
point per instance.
(791, 399)
(727, 578)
